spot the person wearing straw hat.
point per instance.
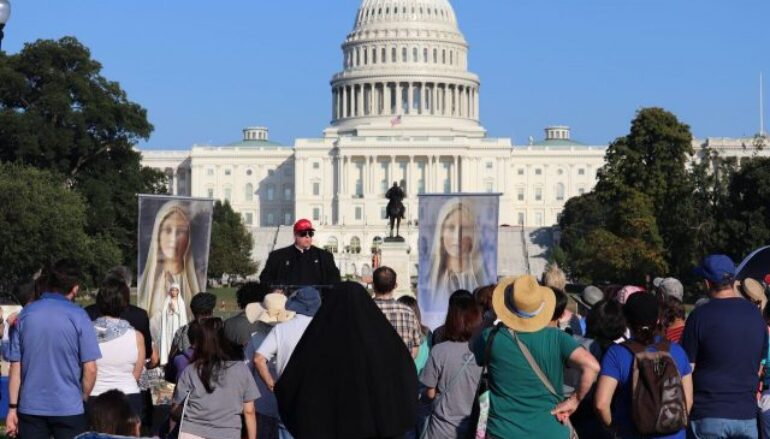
(267, 314)
(525, 364)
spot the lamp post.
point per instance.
(5, 14)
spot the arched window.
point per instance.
(249, 192)
(355, 245)
(560, 192)
(332, 245)
(376, 243)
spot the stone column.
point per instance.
(410, 98)
(424, 98)
(391, 166)
(455, 177)
(397, 100)
(344, 102)
(386, 94)
(360, 100)
(411, 184)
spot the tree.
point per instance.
(57, 112)
(231, 244)
(41, 222)
(747, 213)
(653, 159)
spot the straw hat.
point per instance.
(275, 309)
(522, 304)
(254, 311)
(754, 291)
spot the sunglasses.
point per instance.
(306, 234)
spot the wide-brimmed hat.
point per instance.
(522, 304)
(275, 311)
(305, 301)
(754, 291)
(590, 296)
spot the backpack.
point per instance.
(657, 402)
(170, 372)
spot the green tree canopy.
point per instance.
(40, 222)
(58, 113)
(231, 244)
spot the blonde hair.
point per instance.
(554, 277)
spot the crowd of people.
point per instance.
(518, 359)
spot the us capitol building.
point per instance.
(405, 108)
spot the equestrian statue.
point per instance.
(395, 209)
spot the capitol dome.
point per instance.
(405, 65)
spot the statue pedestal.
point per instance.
(395, 254)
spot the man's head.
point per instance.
(395, 184)
(202, 305)
(123, 272)
(303, 234)
(669, 287)
(64, 277)
(383, 281)
(25, 292)
(718, 271)
(251, 292)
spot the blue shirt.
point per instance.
(53, 338)
(726, 339)
(618, 363)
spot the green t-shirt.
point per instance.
(520, 405)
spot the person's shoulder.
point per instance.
(282, 251)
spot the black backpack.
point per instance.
(658, 405)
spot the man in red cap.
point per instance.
(300, 264)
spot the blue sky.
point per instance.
(205, 70)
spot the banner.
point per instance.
(174, 236)
(457, 249)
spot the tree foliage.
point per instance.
(42, 221)
(231, 244)
(58, 113)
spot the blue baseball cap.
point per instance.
(716, 268)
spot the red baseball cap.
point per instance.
(303, 225)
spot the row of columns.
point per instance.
(430, 169)
(403, 98)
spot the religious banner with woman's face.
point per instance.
(458, 249)
(174, 237)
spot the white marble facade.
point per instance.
(404, 108)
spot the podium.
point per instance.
(394, 253)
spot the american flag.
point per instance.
(395, 121)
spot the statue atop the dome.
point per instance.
(395, 210)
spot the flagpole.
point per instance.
(761, 106)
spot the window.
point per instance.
(560, 171)
(316, 214)
(443, 56)
(581, 171)
(538, 171)
(538, 194)
(316, 165)
(414, 55)
(520, 171)
(249, 172)
(316, 188)
(539, 219)
(490, 165)
(435, 56)
(393, 55)
(581, 191)
(560, 192)
(520, 194)
(210, 193)
(452, 57)
(366, 57)
(384, 56)
(210, 172)
(374, 56)
(287, 218)
(287, 193)
(248, 218)
(248, 193)
(359, 213)
(404, 55)
(425, 55)
(355, 245)
(228, 194)
(270, 172)
(270, 219)
(332, 245)
(490, 186)
(270, 192)
(228, 171)
(521, 219)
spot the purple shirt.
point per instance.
(181, 361)
(52, 340)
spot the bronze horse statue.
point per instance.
(395, 210)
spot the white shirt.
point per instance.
(282, 340)
(115, 370)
